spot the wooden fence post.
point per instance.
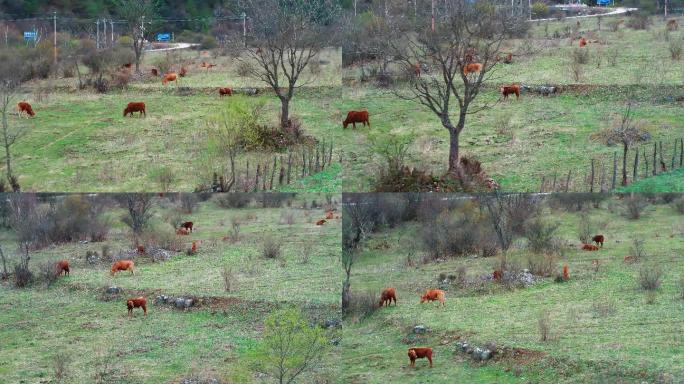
(289, 166)
(636, 165)
(591, 178)
(655, 149)
(541, 186)
(256, 182)
(567, 181)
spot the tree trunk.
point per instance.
(453, 151)
(345, 295)
(284, 112)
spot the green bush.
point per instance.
(540, 10)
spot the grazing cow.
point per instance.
(354, 117)
(329, 215)
(416, 68)
(225, 91)
(388, 294)
(508, 59)
(182, 232)
(630, 259)
(136, 106)
(582, 42)
(171, 76)
(140, 249)
(183, 71)
(320, 222)
(24, 106)
(497, 275)
(62, 266)
(509, 90)
(433, 295)
(419, 353)
(155, 72)
(589, 247)
(566, 272)
(123, 265)
(472, 68)
(598, 239)
(672, 25)
(187, 225)
(138, 302)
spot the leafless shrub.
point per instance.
(271, 248)
(233, 200)
(614, 24)
(244, 69)
(504, 126)
(580, 56)
(60, 365)
(49, 273)
(586, 229)
(235, 224)
(229, 279)
(634, 206)
(650, 277)
(461, 278)
(612, 56)
(637, 248)
(651, 297)
(22, 275)
(675, 48)
(639, 21)
(363, 304)
(576, 71)
(540, 234)
(541, 264)
(544, 325)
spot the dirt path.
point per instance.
(175, 46)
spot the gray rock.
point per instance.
(463, 346)
(189, 303)
(335, 342)
(332, 323)
(161, 299)
(180, 302)
(481, 354)
(114, 290)
(420, 329)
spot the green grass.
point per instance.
(71, 318)
(664, 182)
(638, 342)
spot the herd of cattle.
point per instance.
(185, 228)
(389, 296)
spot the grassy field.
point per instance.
(80, 141)
(631, 341)
(207, 341)
(518, 142)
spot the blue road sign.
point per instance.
(31, 35)
(163, 37)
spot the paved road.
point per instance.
(172, 47)
(617, 11)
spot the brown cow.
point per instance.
(225, 91)
(589, 247)
(582, 42)
(419, 353)
(509, 90)
(140, 249)
(598, 239)
(182, 232)
(171, 76)
(497, 275)
(354, 117)
(566, 272)
(183, 71)
(416, 69)
(126, 66)
(388, 294)
(672, 25)
(472, 68)
(187, 225)
(137, 302)
(154, 72)
(123, 265)
(329, 215)
(433, 295)
(320, 222)
(24, 106)
(508, 59)
(63, 266)
(136, 106)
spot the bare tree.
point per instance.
(11, 77)
(134, 13)
(287, 36)
(358, 220)
(626, 131)
(139, 207)
(462, 52)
